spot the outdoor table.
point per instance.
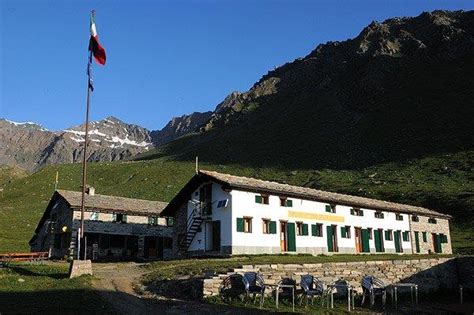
(394, 292)
(349, 289)
(277, 289)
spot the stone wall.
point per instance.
(423, 226)
(429, 274)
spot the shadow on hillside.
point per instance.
(103, 302)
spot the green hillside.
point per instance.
(443, 183)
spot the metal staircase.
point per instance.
(192, 227)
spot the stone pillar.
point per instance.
(79, 268)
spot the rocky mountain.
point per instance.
(401, 89)
(180, 126)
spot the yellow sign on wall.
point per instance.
(315, 216)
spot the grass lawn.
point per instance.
(26, 288)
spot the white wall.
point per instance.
(309, 212)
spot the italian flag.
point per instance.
(97, 50)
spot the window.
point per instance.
(388, 235)
(262, 199)
(444, 238)
(406, 236)
(369, 230)
(169, 221)
(415, 218)
(167, 243)
(378, 215)
(120, 217)
(244, 224)
(432, 220)
(317, 229)
(266, 226)
(222, 203)
(153, 220)
(346, 231)
(331, 208)
(425, 238)
(94, 216)
(301, 229)
(285, 202)
(398, 217)
(357, 212)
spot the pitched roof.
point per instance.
(113, 203)
(262, 186)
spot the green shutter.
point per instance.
(291, 237)
(289, 203)
(314, 229)
(343, 231)
(425, 239)
(170, 221)
(437, 243)
(114, 217)
(328, 208)
(417, 242)
(305, 229)
(387, 235)
(405, 236)
(329, 233)
(361, 213)
(273, 227)
(398, 245)
(352, 211)
(378, 241)
(124, 218)
(258, 199)
(365, 241)
(240, 224)
(150, 220)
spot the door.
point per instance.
(437, 243)
(378, 238)
(364, 236)
(283, 243)
(331, 231)
(358, 241)
(398, 243)
(159, 247)
(216, 235)
(417, 242)
(205, 197)
(150, 247)
(291, 237)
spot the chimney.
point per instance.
(90, 191)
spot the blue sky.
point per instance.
(164, 58)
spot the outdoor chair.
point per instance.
(286, 292)
(232, 287)
(372, 287)
(254, 285)
(311, 287)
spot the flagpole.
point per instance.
(86, 138)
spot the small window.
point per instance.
(169, 221)
(398, 217)
(285, 202)
(266, 226)
(301, 229)
(425, 238)
(247, 225)
(94, 216)
(153, 220)
(317, 230)
(415, 218)
(222, 203)
(444, 238)
(378, 215)
(388, 235)
(346, 231)
(262, 199)
(120, 218)
(331, 208)
(167, 243)
(432, 220)
(357, 212)
(406, 236)
(369, 230)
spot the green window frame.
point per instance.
(405, 236)
(152, 220)
(273, 227)
(425, 237)
(240, 224)
(317, 230)
(331, 208)
(289, 203)
(346, 231)
(388, 235)
(432, 220)
(258, 199)
(398, 217)
(305, 229)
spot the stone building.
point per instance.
(114, 227)
(222, 214)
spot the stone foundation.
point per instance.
(79, 268)
(429, 274)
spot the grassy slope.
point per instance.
(47, 289)
(443, 183)
(8, 174)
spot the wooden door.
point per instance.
(436, 243)
(283, 243)
(291, 237)
(358, 242)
